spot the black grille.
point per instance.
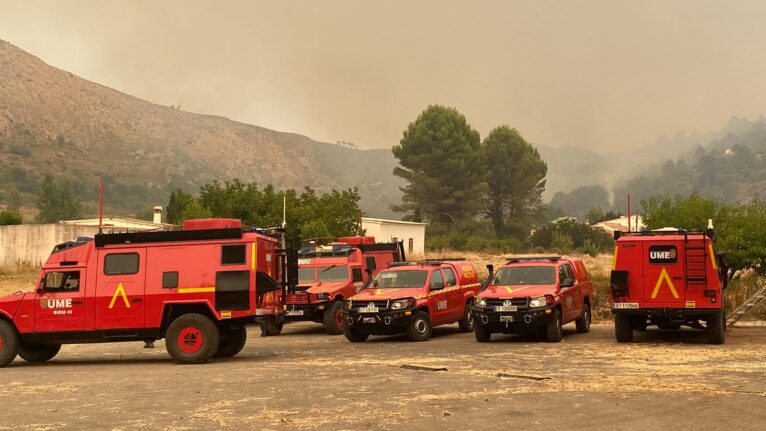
(519, 302)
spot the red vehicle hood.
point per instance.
(9, 304)
(392, 293)
(518, 291)
(327, 287)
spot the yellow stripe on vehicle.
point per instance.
(614, 260)
(712, 257)
(196, 289)
(253, 255)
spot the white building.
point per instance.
(621, 224)
(413, 234)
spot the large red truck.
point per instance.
(668, 277)
(329, 274)
(197, 288)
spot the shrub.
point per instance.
(10, 217)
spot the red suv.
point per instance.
(412, 298)
(534, 295)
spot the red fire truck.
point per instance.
(412, 298)
(197, 288)
(668, 278)
(329, 274)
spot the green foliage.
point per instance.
(579, 201)
(515, 176)
(10, 217)
(440, 158)
(471, 237)
(740, 228)
(567, 234)
(324, 216)
(56, 202)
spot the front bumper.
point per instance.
(512, 321)
(313, 312)
(388, 322)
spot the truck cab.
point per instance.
(197, 288)
(668, 278)
(412, 298)
(535, 295)
(329, 274)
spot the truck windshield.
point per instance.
(400, 279)
(333, 273)
(517, 275)
(305, 275)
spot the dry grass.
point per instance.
(15, 278)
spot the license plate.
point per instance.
(368, 309)
(368, 320)
(506, 318)
(506, 308)
(294, 312)
(629, 305)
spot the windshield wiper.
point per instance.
(328, 268)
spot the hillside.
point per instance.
(54, 122)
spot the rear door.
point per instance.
(120, 287)
(58, 305)
(664, 270)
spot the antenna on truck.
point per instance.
(100, 204)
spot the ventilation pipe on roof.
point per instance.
(157, 215)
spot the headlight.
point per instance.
(323, 296)
(539, 301)
(479, 302)
(402, 303)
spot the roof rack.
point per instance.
(534, 259)
(433, 262)
(665, 231)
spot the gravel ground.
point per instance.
(304, 379)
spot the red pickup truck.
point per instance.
(534, 295)
(412, 298)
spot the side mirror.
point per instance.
(39, 290)
(568, 282)
(437, 286)
(375, 283)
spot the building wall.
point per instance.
(33, 243)
(388, 232)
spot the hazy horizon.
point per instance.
(602, 75)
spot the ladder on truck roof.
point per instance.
(749, 304)
(695, 260)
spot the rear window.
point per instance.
(524, 275)
(121, 264)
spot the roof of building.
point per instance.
(385, 221)
(621, 224)
(119, 223)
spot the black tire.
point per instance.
(716, 328)
(553, 331)
(353, 335)
(9, 343)
(467, 323)
(333, 319)
(232, 342)
(271, 328)
(583, 323)
(192, 339)
(36, 352)
(482, 332)
(623, 328)
(419, 328)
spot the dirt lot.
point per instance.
(304, 379)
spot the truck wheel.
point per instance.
(482, 332)
(623, 328)
(36, 352)
(353, 335)
(333, 319)
(716, 328)
(583, 323)
(419, 328)
(553, 332)
(192, 339)
(232, 342)
(271, 328)
(467, 323)
(9, 343)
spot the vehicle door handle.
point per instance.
(137, 299)
(76, 302)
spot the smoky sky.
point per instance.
(604, 75)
